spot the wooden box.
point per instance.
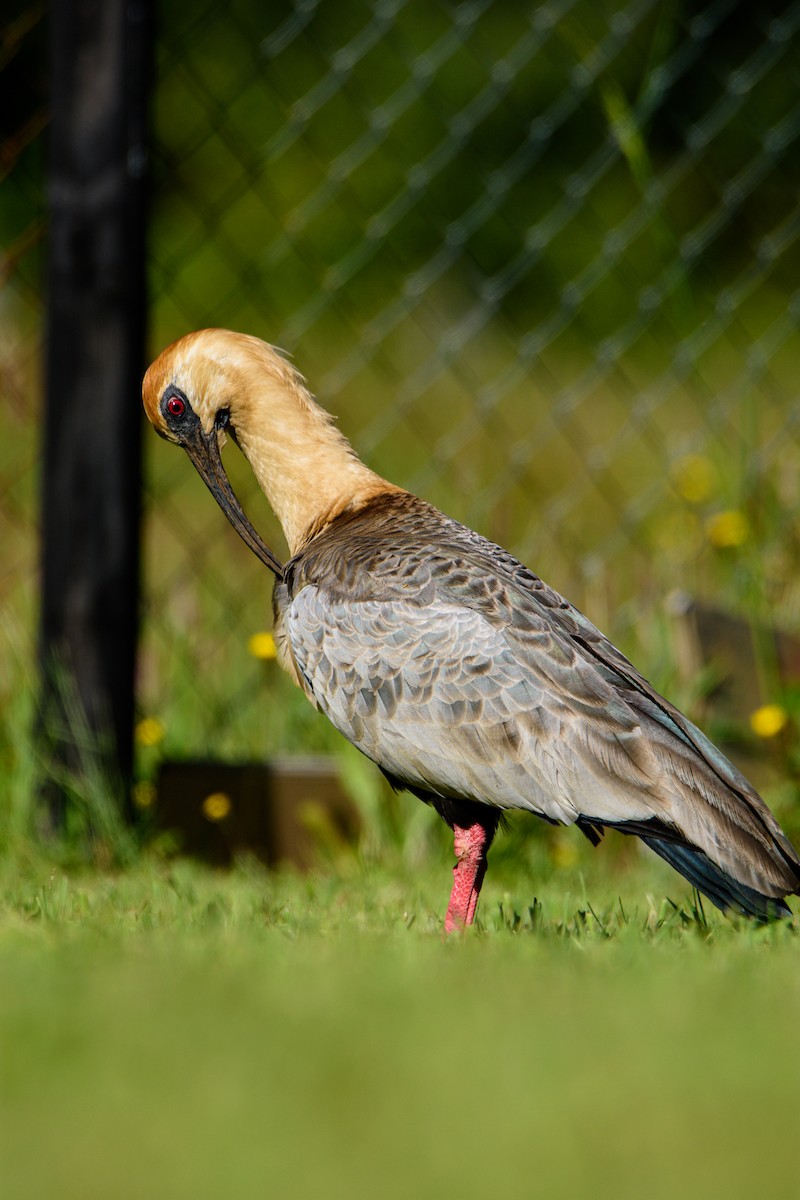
(280, 811)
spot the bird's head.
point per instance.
(213, 383)
(195, 393)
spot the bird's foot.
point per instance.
(470, 844)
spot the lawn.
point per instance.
(170, 1031)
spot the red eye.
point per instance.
(175, 406)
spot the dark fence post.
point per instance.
(100, 53)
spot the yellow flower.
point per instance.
(217, 806)
(727, 529)
(262, 645)
(144, 794)
(694, 477)
(149, 731)
(768, 720)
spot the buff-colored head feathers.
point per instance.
(305, 466)
(216, 369)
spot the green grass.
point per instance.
(167, 1030)
(171, 1031)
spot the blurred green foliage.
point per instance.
(542, 263)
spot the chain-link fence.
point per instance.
(540, 260)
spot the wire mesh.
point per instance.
(540, 260)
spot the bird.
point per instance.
(449, 663)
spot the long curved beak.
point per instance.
(203, 450)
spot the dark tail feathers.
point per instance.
(720, 888)
(694, 865)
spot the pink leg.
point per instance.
(470, 845)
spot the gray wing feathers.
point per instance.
(709, 802)
(462, 674)
(517, 715)
(449, 701)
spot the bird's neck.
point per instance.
(304, 465)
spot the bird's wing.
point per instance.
(460, 673)
(708, 801)
(446, 700)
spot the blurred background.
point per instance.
(541, 261)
